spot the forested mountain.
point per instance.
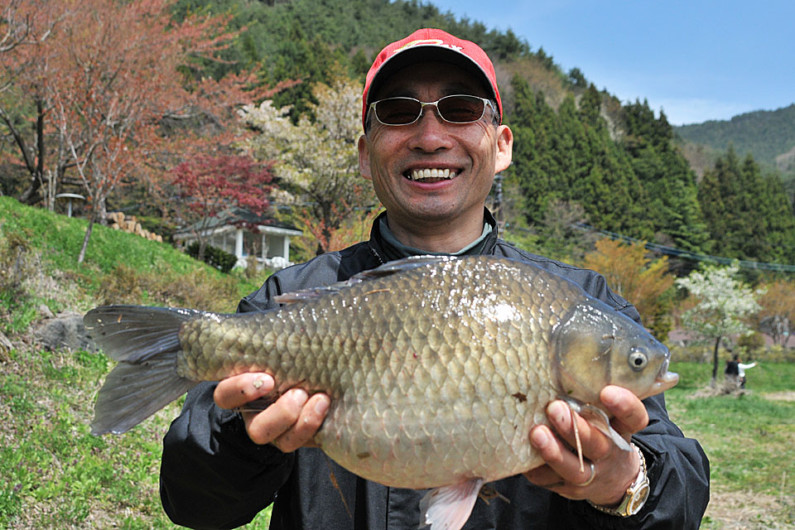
(767, 135)
(311, 40)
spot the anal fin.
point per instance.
(449, 507)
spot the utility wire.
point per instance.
(686, 254)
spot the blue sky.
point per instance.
(697, 60)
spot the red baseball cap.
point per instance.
(426, 45)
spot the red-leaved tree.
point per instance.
(210, 185)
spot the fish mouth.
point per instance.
(664, 380)
(430, 175)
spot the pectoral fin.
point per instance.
(597, 417)
(449, 507)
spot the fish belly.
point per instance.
(432, 444)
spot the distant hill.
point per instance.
(769, 136)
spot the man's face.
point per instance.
(398, 159)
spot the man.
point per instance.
(433, 142)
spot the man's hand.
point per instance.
(288, 423)
(614, 469)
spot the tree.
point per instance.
(15, 26)
(209, 185)
(354, 229)
(666, 176)
(24, 100)
(644, 282)
(561, 233)
(777, 317)
(570, 156)
(722, 304)
(749, 216)
(102, 84)
(317, 161)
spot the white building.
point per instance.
(243, 234)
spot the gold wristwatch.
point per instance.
(636, 494)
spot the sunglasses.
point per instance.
(458, 109)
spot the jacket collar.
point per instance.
(388, 251)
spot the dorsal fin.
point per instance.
(402, 265)
(393, 267)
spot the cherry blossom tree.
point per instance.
(317, 160)
(723, 302)
(25, 67)
(103, 83)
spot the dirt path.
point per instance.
(748, 511)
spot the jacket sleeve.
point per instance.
(212, 475)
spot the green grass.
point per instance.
(55, 473)
(749, 439)
(154, 272)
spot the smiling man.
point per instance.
(433, 175)
(433, 141)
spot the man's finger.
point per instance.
(266, 426)
(629, 413)
(562, 466)
(304, 429)
(238, 390)
(577, 432)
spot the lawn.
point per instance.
(750, 441)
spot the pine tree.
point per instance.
(666, 176)
(534, 168)
(749, 215)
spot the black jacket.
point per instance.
(213, 476)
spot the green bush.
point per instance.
(215, 257)
(752, 343)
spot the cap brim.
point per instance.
(426, 54)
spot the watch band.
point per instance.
(636, 494)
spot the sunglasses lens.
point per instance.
(461, 109)
(397, 111)
(453, 109)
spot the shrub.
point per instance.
(213, 256)
(751, 343)
(201, 289)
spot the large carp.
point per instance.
(437, 368)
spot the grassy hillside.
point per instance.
(39, 249)
(56, 475)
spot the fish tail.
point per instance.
(145, 342)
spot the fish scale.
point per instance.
(437, 368)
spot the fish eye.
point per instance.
(638, 360)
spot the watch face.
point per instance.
(638, 499)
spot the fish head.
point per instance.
(594, 346)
